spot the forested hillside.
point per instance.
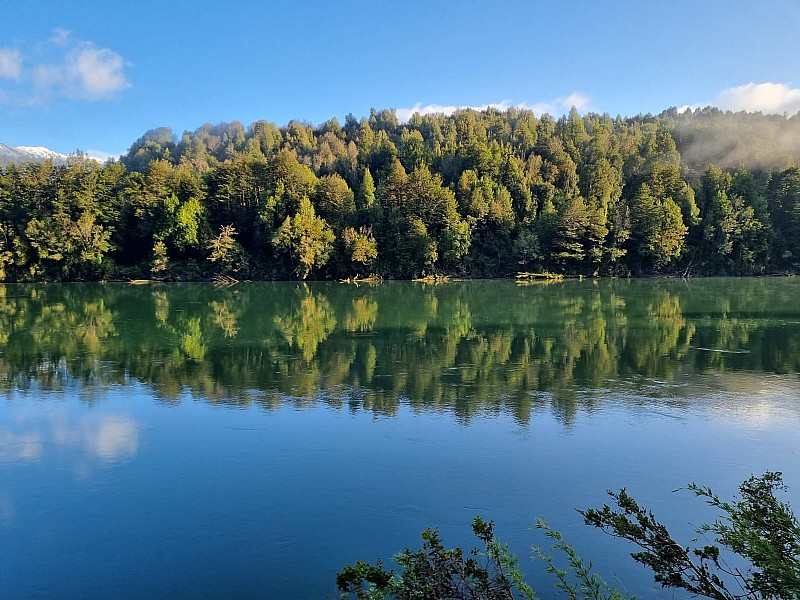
(477, 194)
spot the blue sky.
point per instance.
(95, 76)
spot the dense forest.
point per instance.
(473, 194)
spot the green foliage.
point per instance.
(434, 572)
(764, 530)
(454, 193)
(456, 240)
(366, 193)
(360, 246)
(160, 260)
(188, 219)
(226, 252)
(527, 249)
(335, 200)
(306, 238)
(657, 228)
(757, 527)
(577, 581)
(490, 573)
(783, 192)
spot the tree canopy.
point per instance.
(474, 194)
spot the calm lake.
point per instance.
(188, 441)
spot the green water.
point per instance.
(186, 440)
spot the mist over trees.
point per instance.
(475, 194)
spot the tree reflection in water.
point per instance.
(468, 348)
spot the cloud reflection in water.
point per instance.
(106, 437)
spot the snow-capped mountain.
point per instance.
(40, 152)
(23, 154)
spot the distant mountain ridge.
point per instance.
(24, 154)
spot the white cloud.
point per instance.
(95, 73)
(771, 98)
(577, 99)
(768, 98)
(556, 106)
(10, 64)
(63, 67)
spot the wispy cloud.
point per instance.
(61, 37)
(560, 105)
(555, 106)
(102, 155)
(10, 64)
(93, 73)
(768, 98)
(62, 67)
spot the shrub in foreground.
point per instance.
(752, 552)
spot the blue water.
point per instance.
(116, 486)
